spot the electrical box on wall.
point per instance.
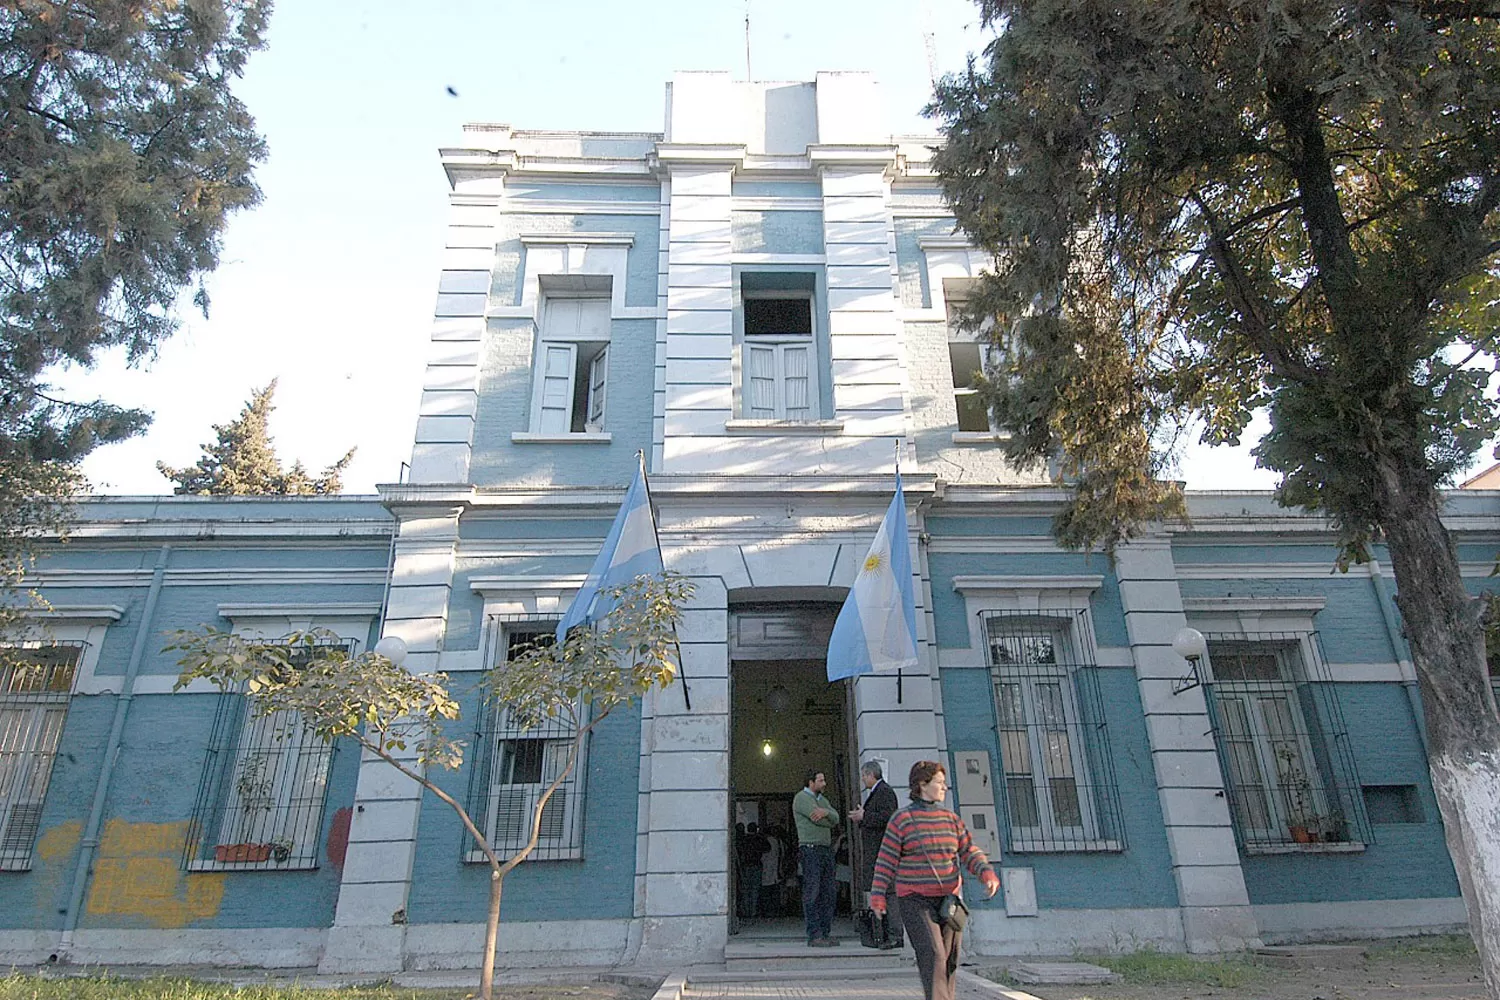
(976, 799)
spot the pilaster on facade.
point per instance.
(450, 390)
(1211, 891)
(369, 926)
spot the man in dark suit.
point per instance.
(880, 803)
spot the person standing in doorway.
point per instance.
(872, 816)
(923, 847)
(816, 820)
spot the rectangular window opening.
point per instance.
(264, 787)
(778, 317)
(1282, 742)
(966, 360)
(36, 687)
(1393, 804)
(515, 759)
(1059, 786)
(572, 366)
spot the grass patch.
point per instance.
(23, 987)
(1149, 967)
(1427, 946)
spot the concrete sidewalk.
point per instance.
(887, 987)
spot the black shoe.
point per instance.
(889, 945)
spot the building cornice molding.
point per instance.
(237, 611)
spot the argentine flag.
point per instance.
(629, 551)
(877, 626)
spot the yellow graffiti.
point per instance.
(137, 874)
(60, 841)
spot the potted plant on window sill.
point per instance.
(254, 786)
(1301, 820)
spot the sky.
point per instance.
(329, 284)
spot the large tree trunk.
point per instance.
(1447, 644)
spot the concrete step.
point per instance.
(793, 954)
(1312, 956)
(841, 972)
(1062, 974)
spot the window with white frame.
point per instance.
(1057, 773)
(572, 366)
(36, 686)
(970, 356)
(1282, 743)
(778, 364)
(263, 789)
(517, 759)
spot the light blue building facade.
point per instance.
(758, 300)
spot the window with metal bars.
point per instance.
(1058, 784)
(263, 788)
(36, 685)
(1283, 745)
(515, 760)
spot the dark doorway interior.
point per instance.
(786, 719)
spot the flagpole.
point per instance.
(904, 541)
(687, 698)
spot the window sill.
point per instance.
(1071, 847)
(586, 437)
(16, 866)
(1347, 847)
(555, 854)
(251, 866)
(784, 427)
(979, 437)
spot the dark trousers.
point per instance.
(935, 945)
(819, 890)
(750, 890)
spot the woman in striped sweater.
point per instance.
(923, 846)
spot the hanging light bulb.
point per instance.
(766, 749)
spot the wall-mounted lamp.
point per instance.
(392, 647)
(766, 748)
(1188, 643)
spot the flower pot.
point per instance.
(241, 854)
(1300, 834)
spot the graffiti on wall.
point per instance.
(138, 875)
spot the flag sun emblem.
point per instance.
(872, 562)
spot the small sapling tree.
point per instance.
(399, 716)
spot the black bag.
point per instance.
(953, 913)
(871, 928)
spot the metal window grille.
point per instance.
(36, 685)
(516, 759)
(263, 788)
(1283, 745)
(1059, 784)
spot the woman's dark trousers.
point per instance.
(935, 945)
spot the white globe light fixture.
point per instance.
(1188, 643)
(393, 648)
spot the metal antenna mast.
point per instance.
(747, 41)
(929, 40)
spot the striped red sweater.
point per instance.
(918, 833)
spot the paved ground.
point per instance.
(882, 988)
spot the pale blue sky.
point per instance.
(329, 285)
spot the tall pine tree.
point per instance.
(243, 462)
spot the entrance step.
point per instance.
(1313, 956)
(1062, 974)
(787, 954)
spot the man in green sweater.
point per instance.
(816, 820)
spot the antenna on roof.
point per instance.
(929, 41)
(747, 41)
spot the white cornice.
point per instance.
(238, 611)
(92, 614)
(499, 586)
(985, 585)
(1259, 605)
(569, 239)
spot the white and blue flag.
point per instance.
(877, 626)
(630, 550)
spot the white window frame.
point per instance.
(1290, 659)
(781, 344)
(568, 800)
(561, 348)
(29, 746)
(1049, 834)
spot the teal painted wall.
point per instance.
(911, 262)
(776, 232)
(466, 608)
(599, 886)
(1350, 625)
(1406, 860)
(1141, 875)
(952, 616)
(138, 881)
(641, 260)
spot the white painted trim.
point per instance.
(94, 614)
(582, 437)
(1077, 586)
(543, 206)
(801, 259)
(971, 438)
(615, 312)
(567, 239)
(775, 427)
(235, 611)
(205, 577)
(1013, 545)
(771, 203)
(1279, 604)
(500, 585)
(953, 242)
